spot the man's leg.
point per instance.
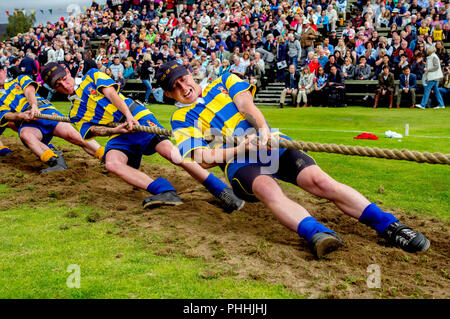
(413, 97)
(294, 96)
(249, 182)
(211, 182)
(32, 137)
(354, 204)
(282, 97)
(68, 133)
(399, 97)
(116, 162)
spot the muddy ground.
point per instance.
(249, 244)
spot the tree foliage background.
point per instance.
(19, 22)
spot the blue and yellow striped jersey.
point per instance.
(214, 113)
(91, 107)
(13, 98)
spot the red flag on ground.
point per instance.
(366, 136)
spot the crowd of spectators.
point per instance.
(312, 46)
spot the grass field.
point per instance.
(38, 241)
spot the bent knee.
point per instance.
(267, 189)
(114, 166)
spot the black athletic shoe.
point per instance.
(56, 164)
(169, 198)
(230, 201)
(324, 243)
(406, 238)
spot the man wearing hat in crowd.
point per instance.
(225, 106)
(19, 102)
(96, 101)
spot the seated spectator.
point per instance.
(290, 86)
(237, 68)
(225, 67)
(305, 86)
(319, 95)
(348, 69)
(213, 70)
(362, 70)
(441, 52)
(445, 89)
(323, 59)
(418, 67)
(335, 87)
(116, 67)
(331, 62)
(120, 81)
(197, 75)
(386, 86)
(407, 86)
(128, 72)
(314, 64)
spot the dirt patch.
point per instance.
(249, 244)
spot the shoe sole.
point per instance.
(55, 170)
(427, 245)
(326, 246)
(158, 203)
(241, 206)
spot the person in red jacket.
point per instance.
(314, 64)
(404, 47)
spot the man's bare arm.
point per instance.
(108, 131)
(30, 94)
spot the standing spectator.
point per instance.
(407, 86)
(294, 50)
(282, 58)
(253, 74)
(28, 65)
(146, 73)
(385, 86)
(433, 73)
(305, 86)
(323, 23)
(290, 86)
(307, 39)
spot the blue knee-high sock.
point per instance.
(310, 226)
(159, 185)
(375, 218)
(214, 185)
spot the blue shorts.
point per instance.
(45, 126)
(134, 145)
(286, 165)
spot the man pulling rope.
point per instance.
(220, 108)
(96, 101)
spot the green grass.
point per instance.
(37, 244)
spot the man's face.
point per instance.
(185, 90)
(66, 84)
(407, 71)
